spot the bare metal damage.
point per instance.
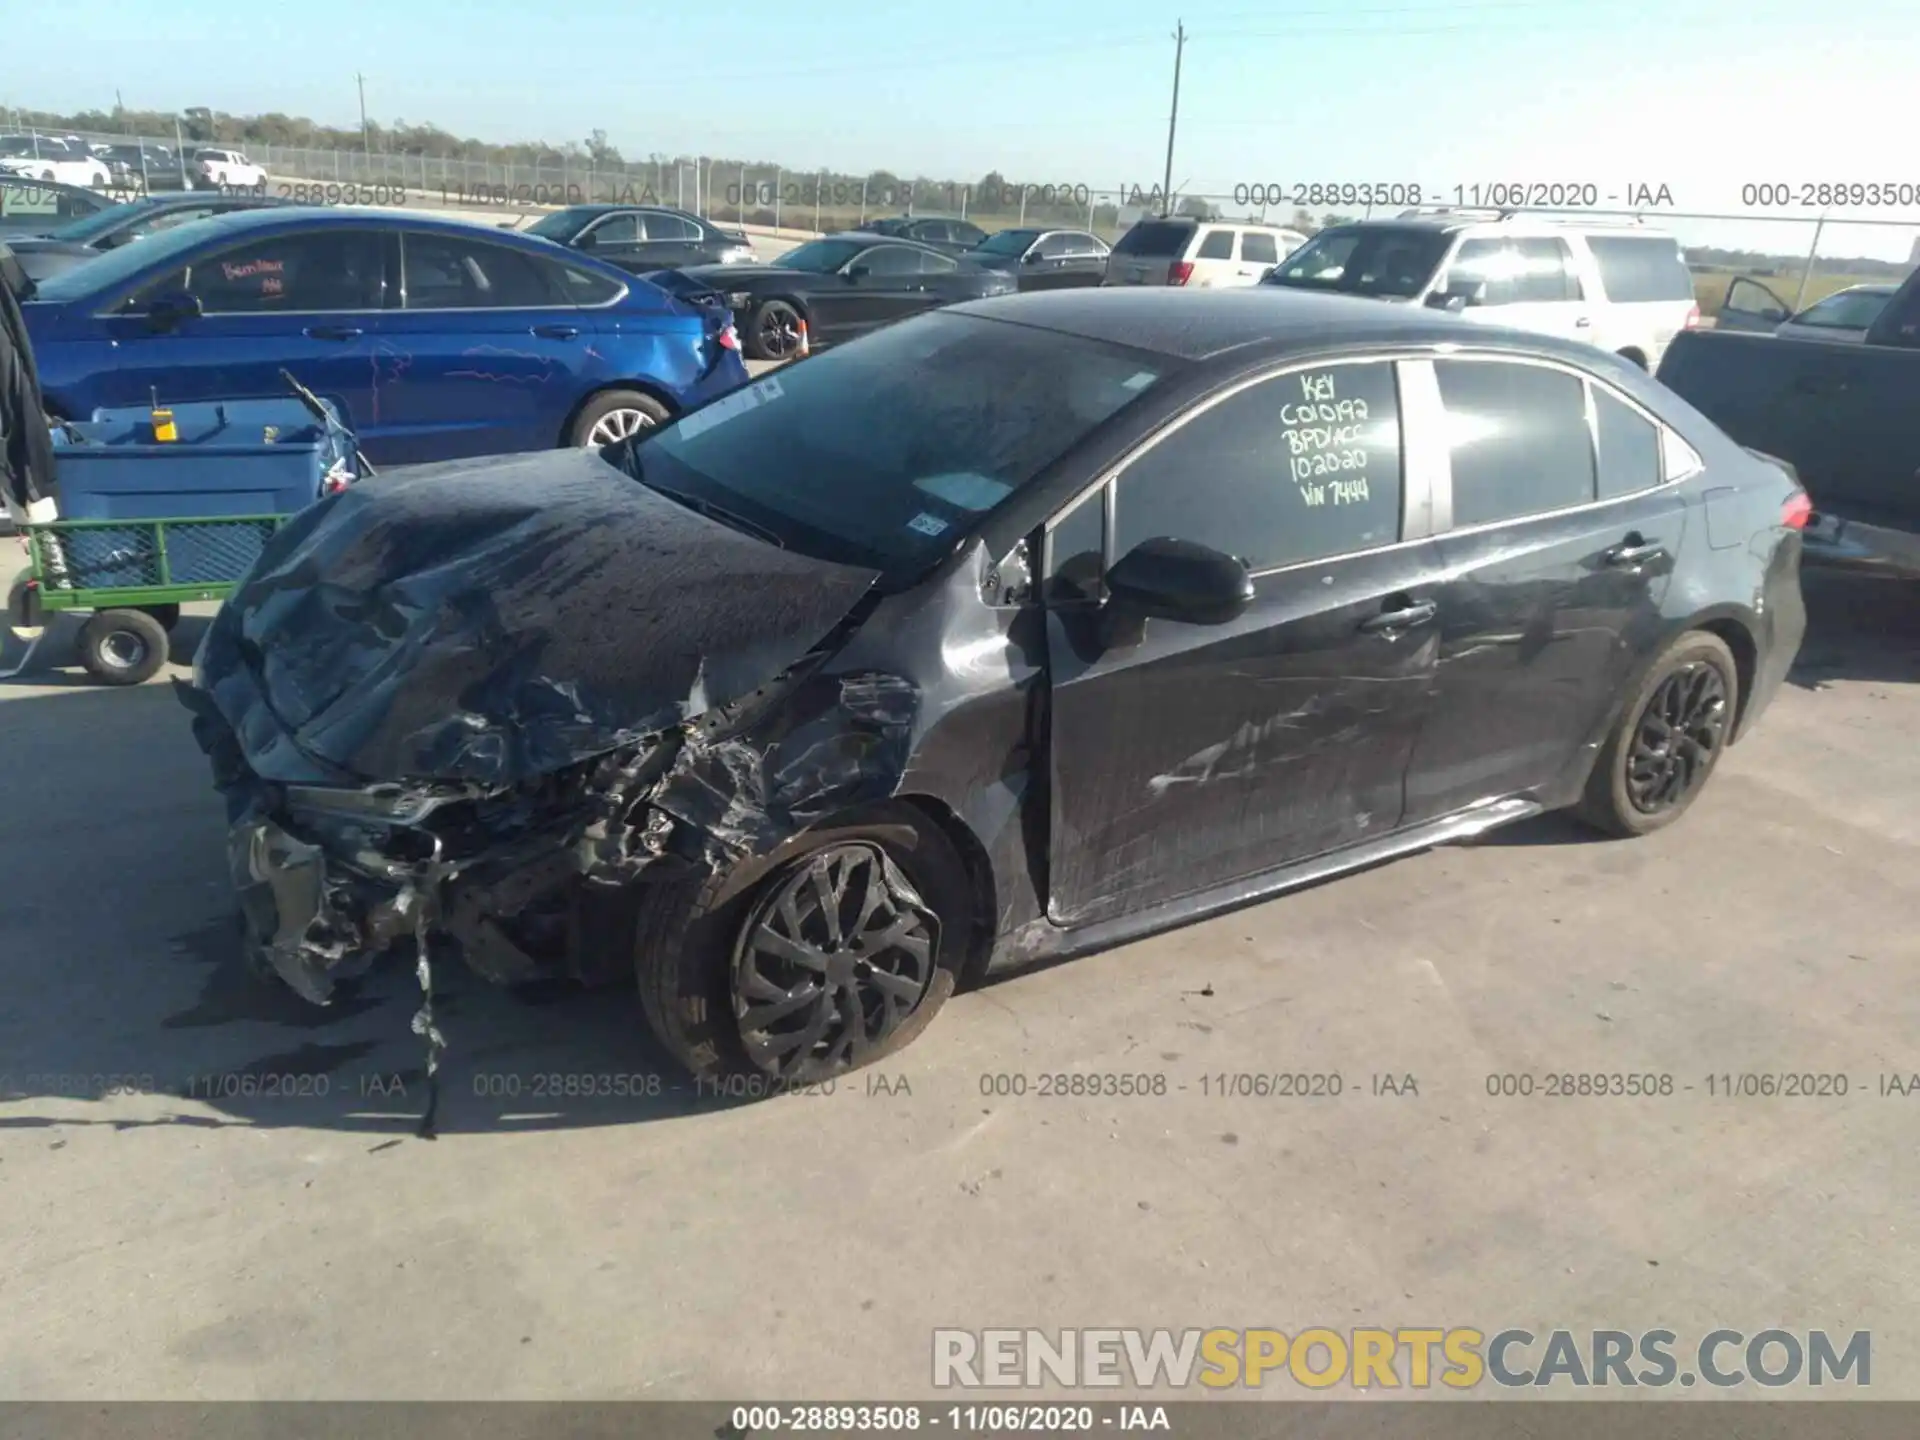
(695, 725)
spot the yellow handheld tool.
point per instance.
(164, 430)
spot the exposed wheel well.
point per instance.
(644, 387)
(1746, 660)
(979, 868)
(1635, 354)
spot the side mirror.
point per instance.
(168, 310)
(1168, 579)
(586, 240)
(1459, 295)
(859, 272)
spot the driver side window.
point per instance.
(1304, 466)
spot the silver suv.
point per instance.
(1617, 285)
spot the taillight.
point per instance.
(1180, 273)
(729, 338)
(1797, 510)
(1693, 318)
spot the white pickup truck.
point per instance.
(45, 158)
(226, 170)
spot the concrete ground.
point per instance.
(212, 1236)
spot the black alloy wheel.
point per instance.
(832, 963)
(776, 331)
(1677, 738)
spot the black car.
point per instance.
(1045, 259)
(147, 167)
(1013, 631)
(644, 238)
(839, 287)
(38, 207)
(945, 233)
(81, 240)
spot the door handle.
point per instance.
(332, 332)
(1583, 323)
(1633, 551)
(1417, 612)
(556, 332)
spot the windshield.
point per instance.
(1849, 310)
(101, 221)
(889, 451)
(1155, 237)
(822, 257)
(562, 224)
(1386, 260)
(1008, 242)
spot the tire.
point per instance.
(1641, 782)
(773, 331)
(617, 414)
(693, 959)
(123, 647)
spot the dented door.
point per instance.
(1186, 756)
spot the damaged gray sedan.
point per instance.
(1007, 632)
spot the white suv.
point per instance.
(1620, 286)
(227, 170)
(1201, 254)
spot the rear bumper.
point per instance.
(1784, 609)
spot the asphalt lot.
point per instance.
(212, 1239)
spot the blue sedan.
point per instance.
(441, 339)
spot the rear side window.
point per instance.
(1155, 237)
(1301, 467)
(1629, 446)
(1544, 271)
(1218, 245)
(1636, 268)
(669, 227)
(583, 287)
(1258, 246)
(1518, 439)
(451, 272)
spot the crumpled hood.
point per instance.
(491, 620)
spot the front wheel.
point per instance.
(1668, 739)
(840, 955)
(616, 415)
(773, 332)
(123, 647)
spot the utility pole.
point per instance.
(366, 141)
(1173, 116)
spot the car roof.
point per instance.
(875, 237)
(1203, 324)
(1451, 222)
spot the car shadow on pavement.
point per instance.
(130, 1004)
(1859, 627)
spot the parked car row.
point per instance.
(438, 339)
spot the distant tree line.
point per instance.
(1754, 262)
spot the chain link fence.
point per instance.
(1800, 257)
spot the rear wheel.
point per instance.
(123, 647)
(838, 956)
(615, 415)
(1668, 740)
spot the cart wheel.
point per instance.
(167, 615)
(123, 647)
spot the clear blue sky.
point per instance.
(1699, 95)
